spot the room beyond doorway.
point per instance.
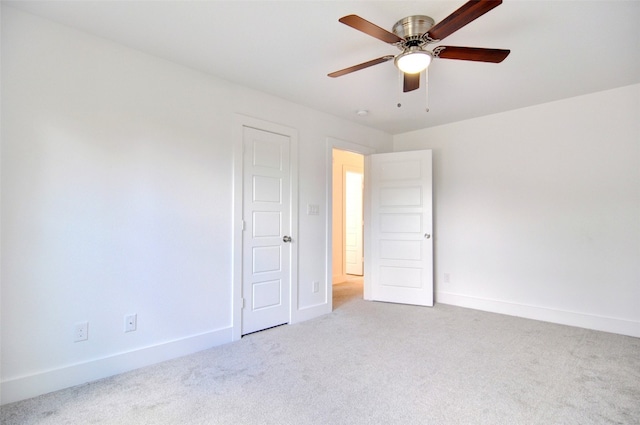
(347, 216)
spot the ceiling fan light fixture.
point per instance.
(413, 60)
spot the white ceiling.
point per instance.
(559, 49)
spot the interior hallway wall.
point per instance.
(537, 210)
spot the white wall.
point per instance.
(116, 193)
(537, 210)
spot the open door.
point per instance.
(399, 258)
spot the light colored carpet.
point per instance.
(372, 363)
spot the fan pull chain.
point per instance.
(400, 87)
(426, 86)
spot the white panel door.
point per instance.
(266, 271)
(353, 181)
(401, 222)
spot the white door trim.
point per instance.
(241, 121)
(345, 146)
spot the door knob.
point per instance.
(427, 236)
(286, 239)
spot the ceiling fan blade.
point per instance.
(471, 53)
(411, 82)
(356, 22)
(468, 12)
(360, 66)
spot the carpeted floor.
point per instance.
(372, 363)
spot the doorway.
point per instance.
(347, 225)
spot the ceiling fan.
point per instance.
(413, 33)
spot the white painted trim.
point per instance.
(545, 314)
(366, 288)
(29, 386)
(241, 121)
(294, 313)
(351, 147)
(236, 231)
(311, 312)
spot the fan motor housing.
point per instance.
(412, 28)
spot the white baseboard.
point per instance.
(52, 380)
(563, 317)
(310, 312)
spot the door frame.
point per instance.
(333, 143)
(241, 121)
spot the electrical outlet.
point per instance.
(130, 322)
(81, 332)
(316, 286)
(447, 278)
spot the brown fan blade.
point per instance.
(461, 17)
(360, 66)
(356, 22)
(411, 82)
(471, 54)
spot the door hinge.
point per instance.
(244, 225)
(243, 303)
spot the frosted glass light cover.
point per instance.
(413, 62)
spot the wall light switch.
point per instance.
(313, 209)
